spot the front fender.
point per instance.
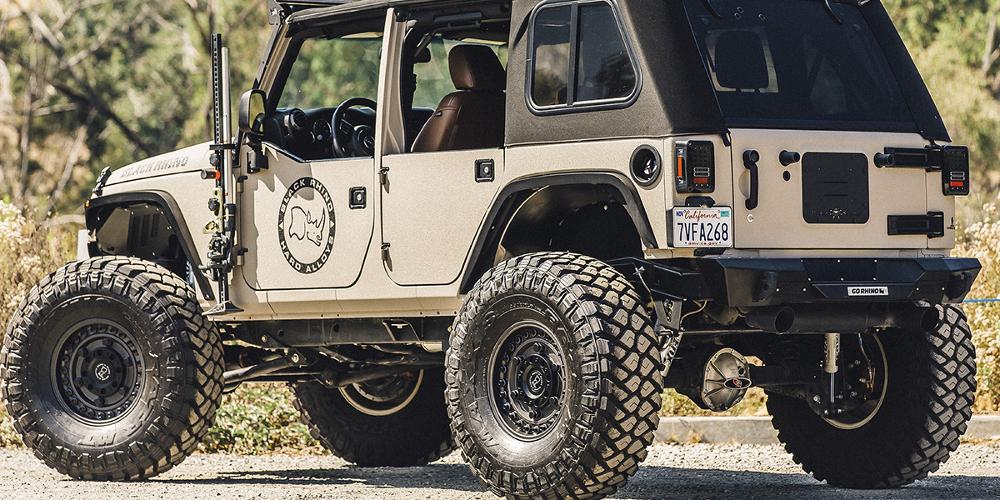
(99, 209)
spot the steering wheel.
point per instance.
(362, 137)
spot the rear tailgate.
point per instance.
(834, 197)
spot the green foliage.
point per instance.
(329, 71)
(258, 419)
(678, 405)
(980, 241)
(129, 78)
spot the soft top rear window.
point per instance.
(797, 64)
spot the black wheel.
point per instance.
(917, 389)
(110, 371)
(399, 421)
(553, 376)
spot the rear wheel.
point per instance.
(110, 371)
(397, 421)
(920, 389)
(553, 378)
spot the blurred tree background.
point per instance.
(86, 84)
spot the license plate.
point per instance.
(703, 227)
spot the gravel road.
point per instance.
(689, 471)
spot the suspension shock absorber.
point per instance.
(831, 367)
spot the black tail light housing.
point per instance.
(694, 167)
(955, 171)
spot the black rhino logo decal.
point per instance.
(306, 225)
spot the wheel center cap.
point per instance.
(102, 372)
(536, 381)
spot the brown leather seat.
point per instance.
(472, 117)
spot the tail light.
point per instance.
(955, 171)
(694, 167)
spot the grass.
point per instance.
(258, 419)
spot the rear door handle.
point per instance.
(750, 159)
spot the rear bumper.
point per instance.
(740, 282)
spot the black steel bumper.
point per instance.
(740, 282)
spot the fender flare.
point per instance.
(507, 203)
(171, 211)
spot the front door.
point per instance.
(306, 221)
(306, 224)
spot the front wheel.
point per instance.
(920, 388)
(110, 371)
(553, 378)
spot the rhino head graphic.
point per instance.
(303, 226)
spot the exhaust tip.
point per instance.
(784, 318)
(930, 318)
(773, 320)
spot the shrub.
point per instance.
(982, 240)
(257, 419)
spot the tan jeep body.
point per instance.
(431, 212)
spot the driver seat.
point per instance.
(472, 117)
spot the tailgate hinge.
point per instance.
(931, 225)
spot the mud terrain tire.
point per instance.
(136, 331)
(928, 403)
(581, 427)
(416, 433)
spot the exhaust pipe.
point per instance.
(772, 319)
(841, 319)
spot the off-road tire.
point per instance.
(928, 403)
(177, 395)
(602, 431)
(417, 434)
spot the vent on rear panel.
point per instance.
(835, 188)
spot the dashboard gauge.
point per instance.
(321, 130)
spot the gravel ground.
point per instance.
(688, 471)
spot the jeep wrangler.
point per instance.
(504, 227)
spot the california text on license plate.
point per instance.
(703, 227)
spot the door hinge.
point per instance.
(239, 183)
(385, 251)
(931, 225)
(240, 256)
(383, 176)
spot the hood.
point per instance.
(183, 160)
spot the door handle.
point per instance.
(750, 159)
(359, 198)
